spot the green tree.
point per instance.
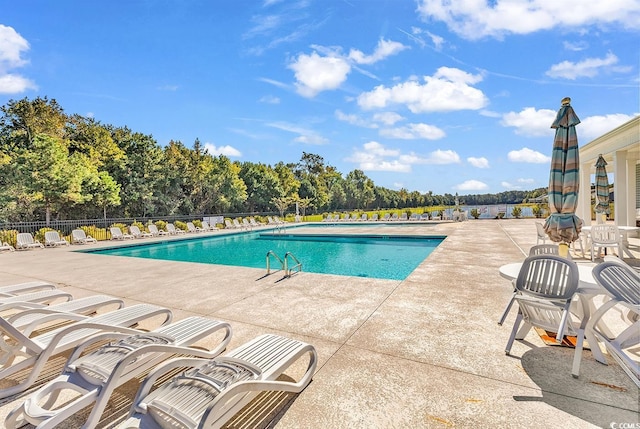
(263, 185)
(359, 190)
(52, 176)
(23, 120)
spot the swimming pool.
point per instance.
(375, 255)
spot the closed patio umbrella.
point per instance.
(602, 186)
(562, 225)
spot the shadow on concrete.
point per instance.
(601, 395)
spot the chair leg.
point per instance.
(512, 337)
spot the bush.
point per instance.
(93, 231)
(537, 211)
(162, 225)
(39, 236)
(516, 212)
(140, 225)
(8, 236)
(197, 223)
(475, 213)
(181, 225)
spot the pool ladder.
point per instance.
(284, 263)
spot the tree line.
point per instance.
(55, 165)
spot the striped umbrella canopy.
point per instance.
(602, 186)
(563, 225)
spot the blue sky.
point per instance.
(429, 95)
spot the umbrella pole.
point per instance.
(563, 249)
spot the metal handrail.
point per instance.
(283, 264)
(298, 264)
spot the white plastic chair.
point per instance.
(52, 239)
(544, 289)
(78, 236)
(605, 236)
(218, 388)
(622, 283)
(542, 234)
(25, 240)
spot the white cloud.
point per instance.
(471, 185)
(387, 118)
(12, 46)
(527, 181)
(222, 150)
(449, 89)
(312, 139)
(384, 49)
(529, 156)
(510, 185)
(354, 120)
(413, 132)
(589, 67)
(496, 18)
(269, 99)
(377, 149)
(530, 122)
(575, 46)
(481, 162)
(595, 126)
(305, 136)
(315, 74)
(274, 82)
(375, 157)
(15, 84)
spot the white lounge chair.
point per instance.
(237, 224)
(207, 227)
(136, 233)
(117, 234)
(94, 375)
(374, 217)
(24, 301)
(172, 230)
(605, 236)
(253, 222)
(25, 240)
(18, 288)
(363, 217)
(414, 217)
(424, 216)
(78, 236)
(155, 232)
(622, 283)
(33, 315)
(544, 289)
(246, 224)
(228, 224)
(218, 388)
(7, 246)
(403, 217)
(36, 350)
(52, 239)
(192, 228)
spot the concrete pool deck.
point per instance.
(422, 352)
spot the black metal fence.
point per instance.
(99, 228)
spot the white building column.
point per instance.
(583, 210)
(630, 198)
(620, 188)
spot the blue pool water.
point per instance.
(375, 256)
